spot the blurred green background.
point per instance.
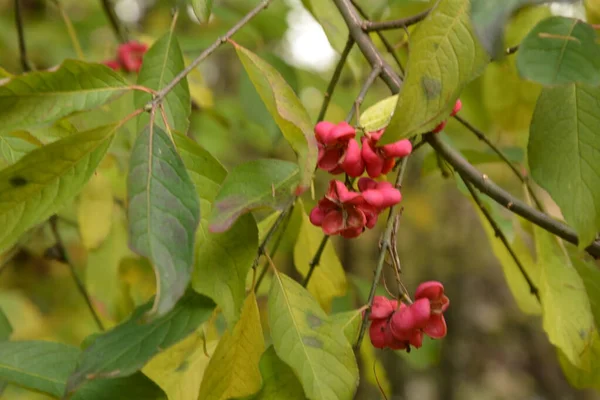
(492, 351)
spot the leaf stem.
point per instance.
(500, 235)
(65, 258)
(375, 72)
(402, 23)
(505, 199)
(385, 245)
(25, 64)
(524, 179)
(211, 49)
(117, 28)
(335, 78)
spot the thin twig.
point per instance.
(218, 43)
(25, 64)
(505, 199)
(315, 260)
(385, 244)
(370, 26)
(375, 72)
(335, 78)
(118, 29)
(64, 257)
(70, 29)
(500, 235)
(524, 179)
(263, 245)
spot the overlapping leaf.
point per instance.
(564, 154)
(287, 111)
(312, 345)
(5, 327)
(42, 97)
(164, 213)
(15, 145)
(560, 50)
(444, 57)
(162, 62)
(279, 381)
(202, 9)
(328, 280)
(45, 367)
(40, 183)
(255, 184)
(126, 348)
(233, 369)
(95, 210)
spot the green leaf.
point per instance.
(306, 340)
(202, 9)
(590, 275)
(255, 184)
(558, 51)
(179, 369)
(126, 348)
(222, 264)
(164, 213)
(279, 381)
(14, 145)
(444, 57)
(5, 327)
(349, 323)
(287, 111)
(589, 375)
(328, 16)
(162, 62)
(563, 154)
(567, 317)
(490, 17)
(378, 116)
(328, 279)
(95, 211)
(233, 369)
(41, 97)
(45, 367)
(40, 183)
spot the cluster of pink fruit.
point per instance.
(129, 57)
(399, 326)
(344, 211)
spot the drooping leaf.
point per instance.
(102, 274)
(179, 370)
(559, 51)
(328, 279)
(126, 348)
(202, 9)
(279, 381)
(306, 340)
(41, 97)
(233, 369)
(222, 264)
(378, 116)
(563, 153)
(286, 109)
(45, 367)
(587, 376)
(15, 145)
(164, 213)
(490, 17)
(567, 316)
(590, 275)
(444, 57)
(5, 327)
(35, 187)
(251, 185)
(94, 214)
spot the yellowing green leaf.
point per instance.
(179, 369)
(287, 111)
(444, 57)
(233, 370)
(5, 327)
(279, 381)
(35, 187)
(312, 345)
(328, 279)
(15, 145)
(378, 116)
(589, 375)
(95, 211)
(566, 312)
(40, 97)
(163, 213)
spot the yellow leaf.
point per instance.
(233, 369)
(328, 279)
(179, 369)
(138, 276)
(95, 211)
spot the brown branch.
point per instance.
(402, 23)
